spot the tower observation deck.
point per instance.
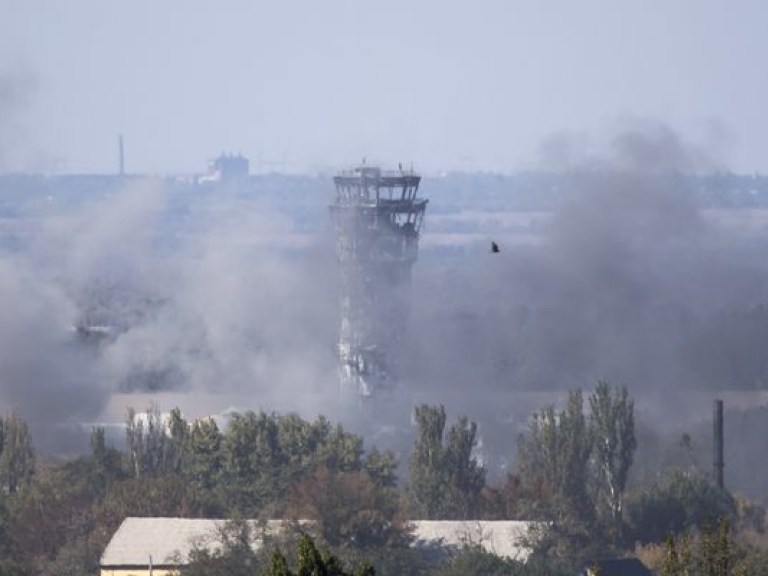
(377, 218)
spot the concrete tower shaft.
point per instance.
(377, 219)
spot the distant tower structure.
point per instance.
(377, 219)
(227, 168)
(121, 155)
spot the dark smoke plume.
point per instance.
(630, 281)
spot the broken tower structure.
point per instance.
(377, 218)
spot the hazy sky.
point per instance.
(315, 84)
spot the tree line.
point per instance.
(573, 472)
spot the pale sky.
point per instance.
(317, 84)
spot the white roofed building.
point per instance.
(505, 538)
(161, 546)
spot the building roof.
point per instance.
(507, 538)
(169, 541)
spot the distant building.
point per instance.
(227, 168)
(162, 546)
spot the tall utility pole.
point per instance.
(377, 217)
(121, 155)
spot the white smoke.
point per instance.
(213, 294)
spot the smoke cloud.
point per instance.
(131, 293)
(220, 298)
(630, 281)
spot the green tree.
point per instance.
(299, 440)
(671, 564)
(17, 455)
(155, 443)
(553, 461)
(134, 440)
(446, 478)
(177, 445)
(351, 510)
(465, 475)
(675, 503)
(235, 557)
(717, 557)
(556, 485)
(147, 442)
(715, 554)
(612, 427)
(204, 454)
(427, 474)
(278, 565)
(105, 460)
(310, 561)
(252, 458)
(6, 529)
(53, 521)
(475, 561)
(381, 468)
(340, 450)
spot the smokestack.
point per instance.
(121, 152)
(719, 464)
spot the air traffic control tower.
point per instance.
(377, 217)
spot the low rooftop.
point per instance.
(169, 541)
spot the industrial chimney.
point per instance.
(719, 464)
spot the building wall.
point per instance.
(138, 572)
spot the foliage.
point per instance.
(147, 442)
(753, 561)
(427, 478)
(263, 455)
(177, 443)
(396, 561)
(55, 525)
(236, 556)
(17, 456)
(474, 561)
(56, 518)
(676, 502)
(571, 468)
(612, 431)
(351, 510)
(203, 464)
(465, 476)
(252, 459)
(553, 462)
(713, 553)
(106, 465)
(446, 478)
(381, 468)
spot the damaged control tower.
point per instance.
(377, 217)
